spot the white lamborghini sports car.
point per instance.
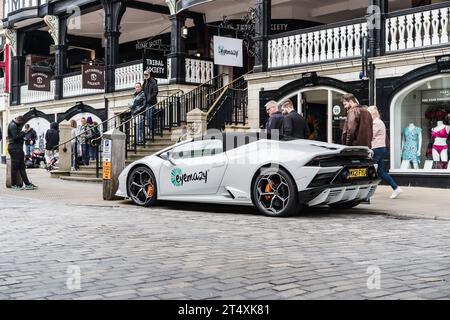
(279, 177)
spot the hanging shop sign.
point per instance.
(156, 64)
(39, 80)
(93, 77)
(310, 79)
(228, 52)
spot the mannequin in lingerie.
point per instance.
(440, 148)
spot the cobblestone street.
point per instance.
(232, 253)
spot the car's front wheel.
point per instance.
(141, 186)
(275, 193)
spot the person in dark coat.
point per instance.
(15, 149)
(358, 128)
(30, 140)
(52, 142)
(137, 107)
(151, 91)
(273, 125)
(294, 125)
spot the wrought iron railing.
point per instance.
(231, 107)
(142, 128)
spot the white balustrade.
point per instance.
(2, 85)
(317, 46)
(199, 71)
(32, 96)
(415, 30)
(73, 87)
(14, 5)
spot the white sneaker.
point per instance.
(396, 193)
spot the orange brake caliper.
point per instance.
(267, 190)
(150, 190)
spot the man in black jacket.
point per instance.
(137, 107)
(30, 140)
(294, 125)
(51, 142)
(15, 148)
(273, 125)
(151, 91)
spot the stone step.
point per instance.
(91, 167)
(82, 179)
(56, 174)
(85, 174)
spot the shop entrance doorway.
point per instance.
(323, 111)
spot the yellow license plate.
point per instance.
(357, 173)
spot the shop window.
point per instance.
(421, 118)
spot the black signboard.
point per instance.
(93, 77)
(310, 79)
(39, 80)
(156, 64)
(443, 63)
(156, 45)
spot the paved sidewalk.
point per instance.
(413, 203)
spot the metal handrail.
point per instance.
(154, 106)
(231, 83)
(103, 123)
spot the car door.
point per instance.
(195, 168)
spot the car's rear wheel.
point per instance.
(142, 187)
(345, 205)
(275, 193)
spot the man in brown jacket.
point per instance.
(358, 128)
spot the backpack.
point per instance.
(94, 137)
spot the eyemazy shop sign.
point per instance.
(156, 64)
(93, 77)
(39, 80)
(228, 52)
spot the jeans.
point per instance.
(18, 166)
(378, 159)
(29, 149)
(74, 160)
(85, 153)
(141, 128)
(150, 117)
(93, 153)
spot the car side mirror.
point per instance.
(168, 156)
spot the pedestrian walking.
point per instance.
(358, 128)
(294, 125)
(379, 145)
(74, 144)
(51, 143)
(82, 135)
(275, 121)
(93, 140)
(90, 138)
(15, 148)
(30, 140)
(150, 88)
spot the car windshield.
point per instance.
(195, 149)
